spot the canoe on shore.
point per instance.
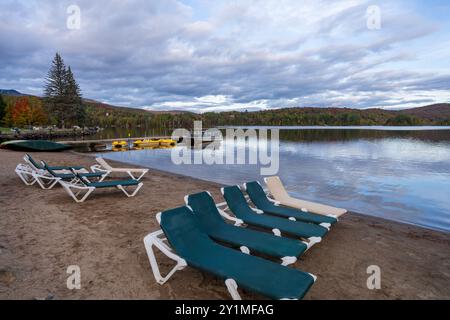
(34, 145)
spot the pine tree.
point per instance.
(63, 100)
(54, 92)
(56, 78)
(77, 111)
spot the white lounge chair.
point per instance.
(281, 196)
(33, 171)
(103, 166)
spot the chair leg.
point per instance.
(139, 177)
(311, 242)
(51, 182)
(75, 196)
(232, 289)
(325, 225)
(285, 261)
(26, 178)
(139, 186)
(152, 240)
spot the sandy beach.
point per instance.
(42, 232)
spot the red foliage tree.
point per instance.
(21, 112)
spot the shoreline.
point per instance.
(44, 231)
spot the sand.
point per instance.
(42, 232)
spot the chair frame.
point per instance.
(85, 190)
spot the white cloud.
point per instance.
(222, 55)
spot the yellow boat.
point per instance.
(167, 142)
(146, 143)
(119, 144)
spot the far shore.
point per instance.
(45, 231)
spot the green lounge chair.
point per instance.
(209, 218)
(82, 185)
(47, 178)
(239, 206)
(190, 245)
(262, 202)
(36, 172)
(73, 174)
(36, 166)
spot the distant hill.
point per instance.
(433, 112)
(106, 106)
(106, 115)
(10, 92)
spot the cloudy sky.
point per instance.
(201, 55)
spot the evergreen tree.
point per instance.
(54, 92)
(55, 82)
(77, 113)
(62, 93)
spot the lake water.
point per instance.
(399, 174)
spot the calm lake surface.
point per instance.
(398, 174)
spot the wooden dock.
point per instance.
(94, 144)
(100, 141)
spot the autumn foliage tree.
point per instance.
(20, 113)
(26, 111)
(2, 109)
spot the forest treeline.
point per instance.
(23, 111)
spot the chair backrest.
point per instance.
(33, 163)
(53, 173)
(276, 188)
(103, 163)
(204, 209)
(257, 194)
(236, 201)
(184, 234)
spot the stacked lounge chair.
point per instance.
(211, 219)
(240, 208)
(190, 245)
(197, 235)
(74, 179)
(32, 172)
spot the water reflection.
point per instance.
(399, 175)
